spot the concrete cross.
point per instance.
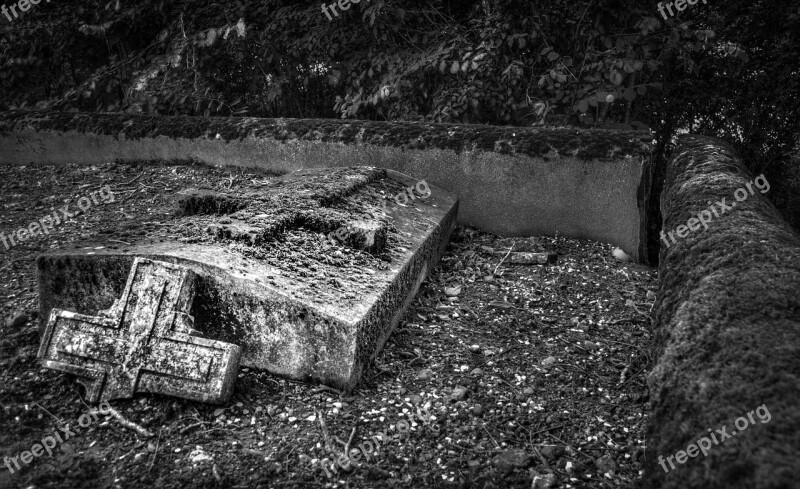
(143, 343)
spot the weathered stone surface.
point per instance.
(143, 343)
(605, 145)
(511, 181)
(269, 278)
(727, 330)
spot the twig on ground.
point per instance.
(588, 374)
(155, 453)
(573, 448)
(541, 459)
(325, 434)
(469, 310)
(118, 241)
(347, 445)
(283, 483)
(129, 424)
(325, 388)
(504, 259)
(631, 377)
(490, 436)
(128, 196)
(48, 412)
(572, 344)
(549, 429)
(137, 178)
(11, 364)
(509, 384)
(619, 342)
(623, 374)
(212, 429)
(187, 428)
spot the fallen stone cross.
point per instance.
(269, 278)
(142, 343)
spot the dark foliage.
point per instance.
(724, 69)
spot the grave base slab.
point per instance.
(306, 319)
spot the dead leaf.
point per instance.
(452, 291)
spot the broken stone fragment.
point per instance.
(426, 374)
(512, 459)
(548, 361)
(16, 321)
(606, 464)
(542, 481)
(458, 394)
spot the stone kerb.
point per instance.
(727, 318)
(513, 181)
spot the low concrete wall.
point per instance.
(511, 181)
(727, 332)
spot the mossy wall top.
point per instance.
(584, 144)
(727, 324)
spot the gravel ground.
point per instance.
(505, 375)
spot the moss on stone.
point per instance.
(727, 318)
(585, 144)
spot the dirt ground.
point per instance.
(507, 374)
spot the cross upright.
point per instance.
(143, 343)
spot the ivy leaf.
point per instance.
(454, 68)
(629, 94)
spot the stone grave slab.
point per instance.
(142, 343)
(309, 273)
